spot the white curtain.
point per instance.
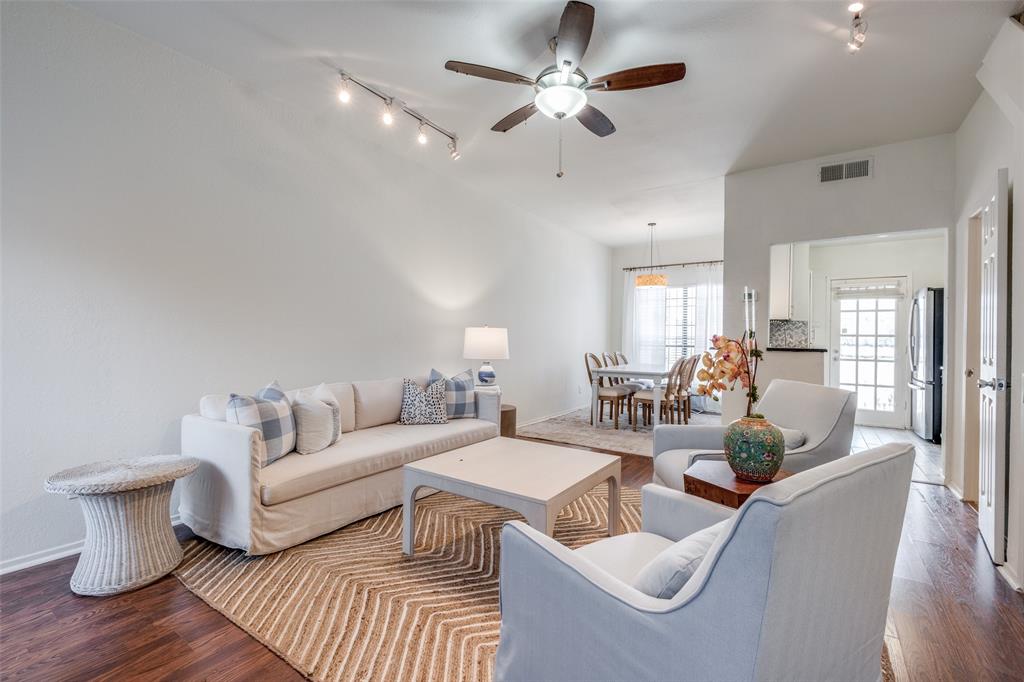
(643, 312)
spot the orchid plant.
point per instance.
(733, 361)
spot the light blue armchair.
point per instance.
(795, 587)
(824, 417)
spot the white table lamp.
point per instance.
(486, 343)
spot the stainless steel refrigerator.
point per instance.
(925, 356)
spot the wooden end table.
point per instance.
(714, 480)
(508, 420)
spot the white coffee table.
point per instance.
(535, 479)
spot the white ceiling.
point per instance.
(767, 83)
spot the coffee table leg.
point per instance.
(542, 518)
(613, 504)
(409, 518)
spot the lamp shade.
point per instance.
(651, 279)
(485, 343)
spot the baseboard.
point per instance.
(53, 553)
(1010, 576)
(552, 416)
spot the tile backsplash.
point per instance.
(788, 334)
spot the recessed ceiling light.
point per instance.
(856, 7)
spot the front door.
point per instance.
(868, 342)
(993, 410)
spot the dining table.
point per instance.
(655, 373)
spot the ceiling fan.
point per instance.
(561, 89)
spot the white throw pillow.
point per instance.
(793, 438)
(214, 406)
(666, 574)
(317, 420)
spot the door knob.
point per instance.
(994, 384)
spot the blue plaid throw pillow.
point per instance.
(270, 413)
(459, 393)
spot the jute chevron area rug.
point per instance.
(350, 606)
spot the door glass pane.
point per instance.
(887, 304)
(866, 347)
(886, 347)
(885, 399)
(847, 372)
(847, 323)
(866, 304)
(848, 304)
(887, 322)
(847, 346)
(866, 372)
(886, 374)
(865, 397)
(866, 322)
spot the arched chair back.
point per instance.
(611, 361)
(593, 362)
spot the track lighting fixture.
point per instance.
(344, 96)
(393, 107)
(856, 7)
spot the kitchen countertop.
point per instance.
(798, 350)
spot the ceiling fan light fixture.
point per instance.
(561, 101)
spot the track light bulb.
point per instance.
(856, 7)
(387, 117)
(421, 137)
(344, 96)
(453, 151)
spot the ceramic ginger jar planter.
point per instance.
(754, 448)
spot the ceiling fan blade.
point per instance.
(640, 77)
(574, 34)
(487, 72)
(515, 118)
(595, 121)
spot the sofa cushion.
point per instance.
(345, 396)
(365, 452)
(794, 438)
(666, 574)
(214, 406)
(377, 402)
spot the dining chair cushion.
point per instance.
(614, 391)
(666, 574)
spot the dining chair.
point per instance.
(643, 401)
(682, 402)
(614, 396)
(641, 384)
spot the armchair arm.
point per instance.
(564, 618)
(679, 437)
(674, 515)
(218, 500)
(488, 405)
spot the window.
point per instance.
(867, 351)
(667, 324)
(680, 323)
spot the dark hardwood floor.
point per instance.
(951, 617)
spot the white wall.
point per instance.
(167, 233)
(671, 251)
(922, 260)
(992, 137)
(911, 189)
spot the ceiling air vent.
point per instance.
(846, 170)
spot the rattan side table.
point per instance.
(129, 541)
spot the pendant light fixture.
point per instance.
(651, 278)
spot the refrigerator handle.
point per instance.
(912, 345)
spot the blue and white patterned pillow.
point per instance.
(460, 395)
(422, 406)
(270, 413)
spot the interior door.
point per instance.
(869, 337)
(993, 410)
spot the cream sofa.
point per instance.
(234, 502)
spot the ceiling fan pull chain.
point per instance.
(560, 172)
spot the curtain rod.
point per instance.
(673, 265)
